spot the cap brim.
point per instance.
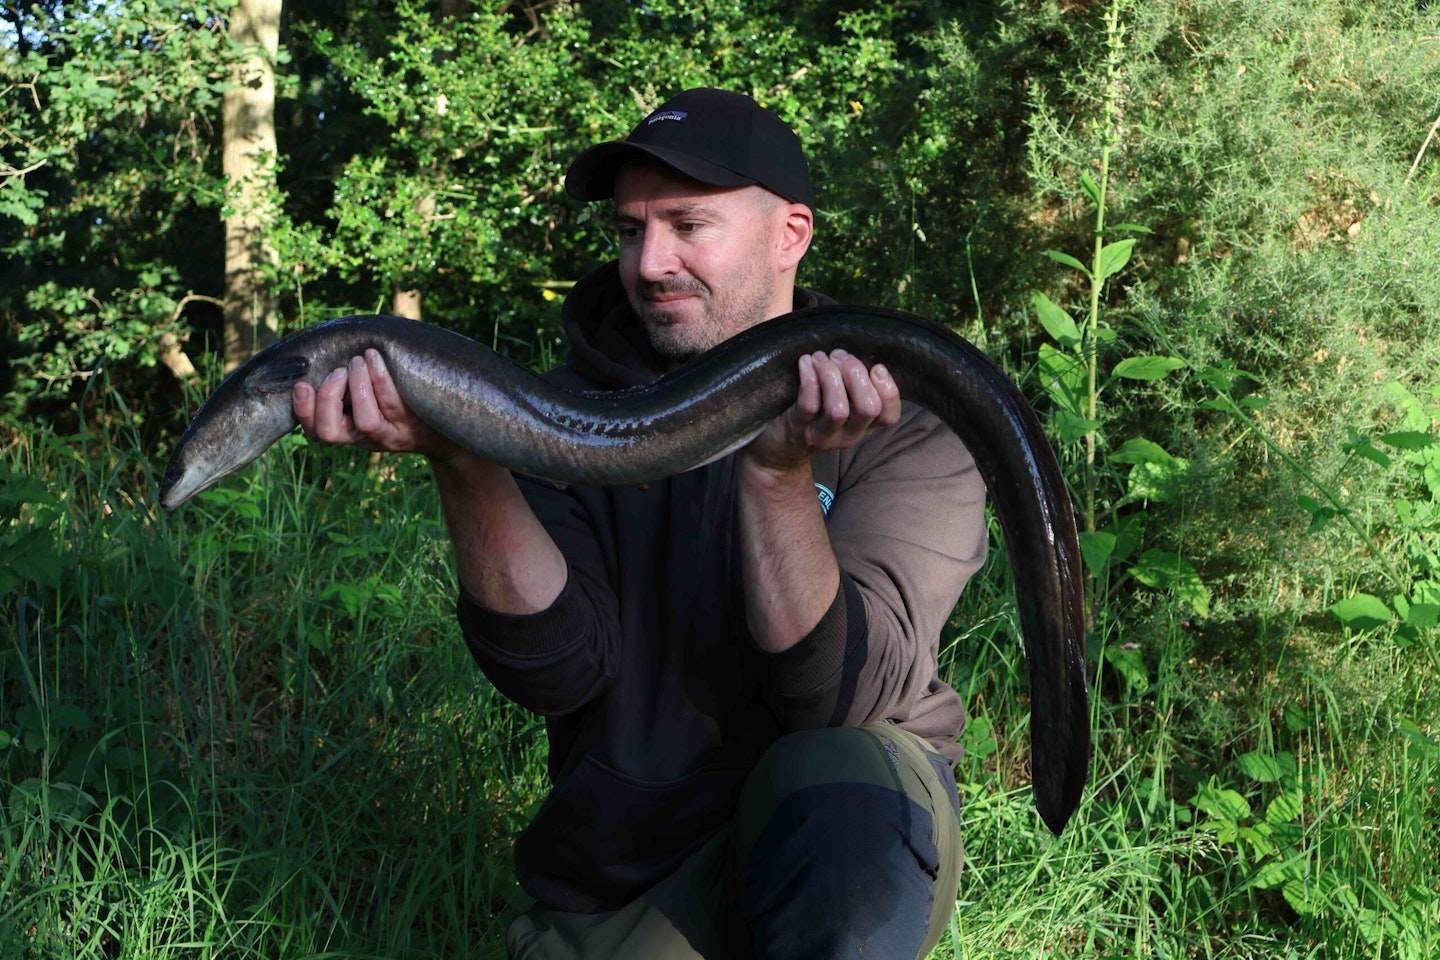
(592, 175)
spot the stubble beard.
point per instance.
(720, 318)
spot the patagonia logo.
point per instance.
(827, 497)
(667, 115)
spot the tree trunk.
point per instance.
(251, 312)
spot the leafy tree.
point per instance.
(111, 186)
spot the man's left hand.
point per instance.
(839, 401)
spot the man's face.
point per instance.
(699, 263)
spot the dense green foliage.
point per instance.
(1204, 236)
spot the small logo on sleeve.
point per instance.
(827, 497)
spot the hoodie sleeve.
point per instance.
(907, 525)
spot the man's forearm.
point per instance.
(504, 557)
(790, 572)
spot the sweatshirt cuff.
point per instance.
(822, 668)
(522, 634)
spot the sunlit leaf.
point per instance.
(1140, 450)
(1068, 260)
(1170, 571)
(1285, 808)
(1096, 549)
(1362, 612)
(1059, 324)
(1114, 256)
(1266, 767)
(1146, 368)
(1408, 440)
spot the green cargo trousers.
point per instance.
(846, 842)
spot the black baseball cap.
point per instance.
(717, 137)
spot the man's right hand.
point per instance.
(377, 418)
(503, 555)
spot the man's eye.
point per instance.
(687, 226)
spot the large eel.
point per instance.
(708, 408)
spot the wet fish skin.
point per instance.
(704, 410)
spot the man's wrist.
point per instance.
(454, 463)
(767, 476)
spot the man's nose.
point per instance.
(657, 256)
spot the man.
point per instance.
(750, 747)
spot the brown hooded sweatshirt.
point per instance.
(657, 700)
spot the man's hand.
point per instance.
(377, 419)
(503, 555)
(839, 401)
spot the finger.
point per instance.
(889, 392)
(834, 399)
(807, 399)
(302, 399)
(387, 396)
(331, 424)
(364, 411)
(864, 398)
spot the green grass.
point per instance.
(250, 730)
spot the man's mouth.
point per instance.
(672, 291)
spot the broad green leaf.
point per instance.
(32, 557)
(1063, 377)
(1362, 447)
(1096, 548)
(1129, 531)
(1090, 187)
(1423, 616)
(1156, 482)
(67, 716)
(1258, 839)
(1408, 440)
(1303, 898)
(1362, 612)
(1129, 662)
(1277, 873)
(1114, 256)
(1056, 321)
(1140, 450)
(1320, 514)
(1068, 260)
(1170, 571)
(1263, 767)
(1072, 428)
(1146, 368)
(1285, 808)
(1221, 803)
(1157, 477)
(1298, 718)
(979, 738)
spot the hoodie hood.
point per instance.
(608, 344)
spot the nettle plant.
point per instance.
(1071, 366)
